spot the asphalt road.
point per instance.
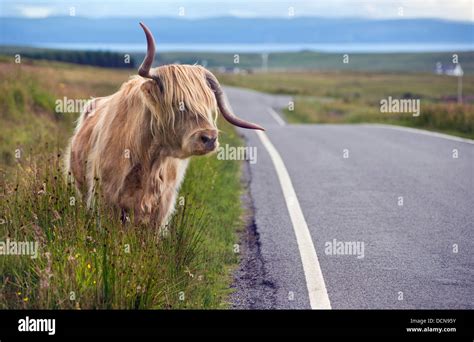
(418, 255)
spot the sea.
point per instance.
(270, 47)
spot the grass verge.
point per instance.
(86, 258)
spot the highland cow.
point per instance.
(136, 143)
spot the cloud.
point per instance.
(376, 9)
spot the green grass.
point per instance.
(373, 62)
(354, 97)
(87, 258)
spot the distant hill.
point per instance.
(22, 31)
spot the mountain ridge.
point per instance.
(24, 31)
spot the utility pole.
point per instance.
(459, 73)
(460, 89)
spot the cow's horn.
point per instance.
(226, 113)
(144, 69)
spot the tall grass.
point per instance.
(87, 258)
(88, 254)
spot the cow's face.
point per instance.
(184, 109)
(184, 101)
(200, 138)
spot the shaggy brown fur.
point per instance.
(137, 141)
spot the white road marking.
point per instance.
(277, 117)
(318, 296)
(423, 132)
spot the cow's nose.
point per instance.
(208, 141)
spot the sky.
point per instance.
(462, 10)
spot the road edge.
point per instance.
(251, 285)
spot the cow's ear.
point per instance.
(154, 82)
(150, 94)
(148, 88)
(151, 90)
